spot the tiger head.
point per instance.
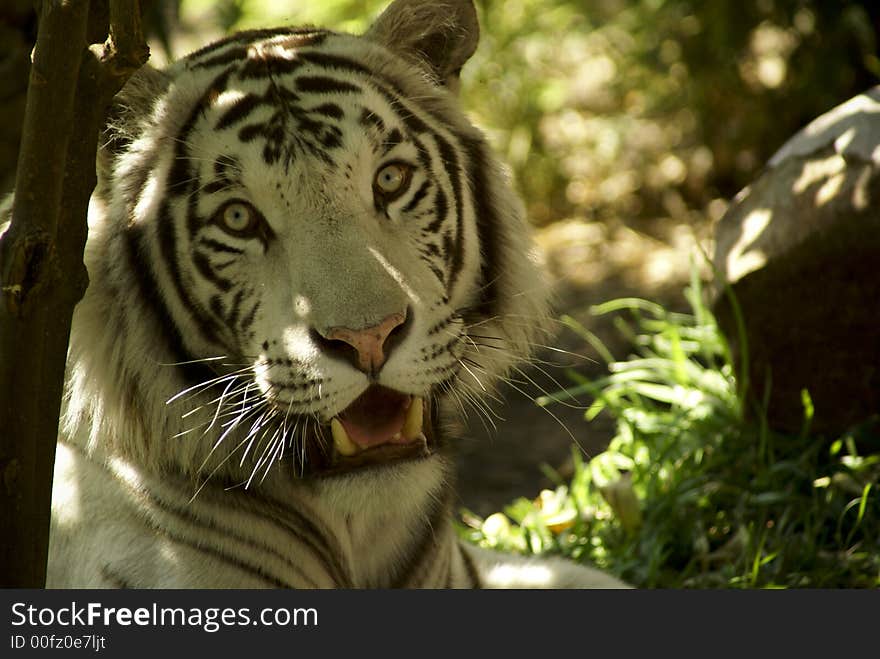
(301, 248)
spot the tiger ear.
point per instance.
(441, 36)
(131, 109)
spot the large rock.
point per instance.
(801, 248)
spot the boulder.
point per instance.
(800, 248)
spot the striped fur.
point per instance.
(195, 439)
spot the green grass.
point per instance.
(693, 491)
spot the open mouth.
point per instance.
(381, 426)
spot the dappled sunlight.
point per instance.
(744, 257)
(302, 306)
(521, 576)
(818, 170)
(396, 275)
(67, 510)
(583, 255)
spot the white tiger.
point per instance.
(303, 261)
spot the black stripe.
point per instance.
(384, 85)
(273, 132)
(203, 265)
(218, 246)
(239, 110)
(244, 37)
(154, 500)
(225, 264)
(259, 67)
(143, 272)
(194, 222)
(168, 250)
(393, 138)
(248, 320)
(222, 501)
(321, 541)
(328, 135)
(217, 185)
(253, 131)
(410, 120)
(421, 556)
(439, 274)
(187, 515)
(488, 224)
(370, 119)
(450, 162)
(115, 579)
(227, 170)
(180, 174)
(232, 319)
(440, 210)
(233, 54)
(423, 154)
(448, 248)
(253, 69)
(388, 88)
(472, 571)
(430, 250)
(417, 197)
(215, 304)
(225, 163)
(324, 85)
(331, 139)
(252, 570)
(337, 62)
(275, 129)
(330, 110)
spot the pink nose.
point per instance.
(370, 343)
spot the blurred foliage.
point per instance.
(633, 109)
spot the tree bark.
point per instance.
(41, 268)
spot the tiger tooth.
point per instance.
(412, 427)
(341, 440)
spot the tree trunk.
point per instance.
(41, 269)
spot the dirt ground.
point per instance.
(588, 263)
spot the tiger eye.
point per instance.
(392, 180)
(238, 218)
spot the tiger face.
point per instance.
(321, 241)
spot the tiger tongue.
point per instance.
(375, 417)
